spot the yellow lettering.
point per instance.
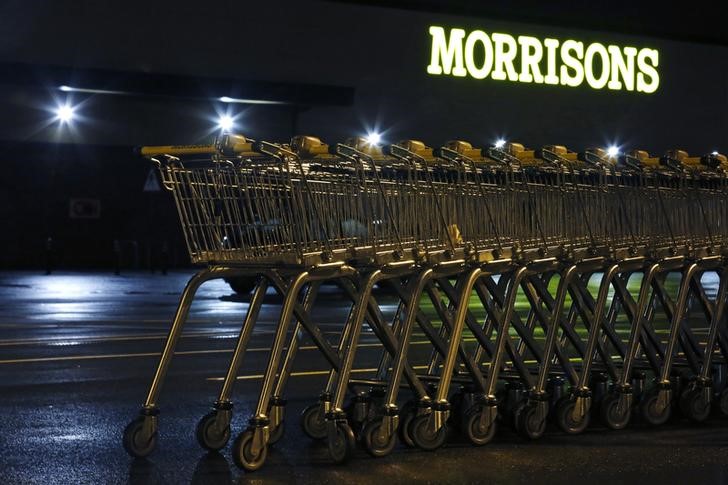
(648, 70)
(506, 50)
(572, 62)
(622, 66)
(475, 71)
(591, 51)
(551, 46)
(531, 54)
(446, 52)
(480, 55)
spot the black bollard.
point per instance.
(117, 257)
(49, 255)
(165, 257)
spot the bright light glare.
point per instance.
(225, 123)
(374, 138)
(73, 89)
(228, 99)
(64, 113)
(714, 152)
(500, 143)
(613, 151)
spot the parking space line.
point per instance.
(157, 354)
(111, 338)
(192, 352)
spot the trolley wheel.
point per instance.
(610, 413)
(341, 447)
(528, 422)
(134, 441)
(313, 423)
(373, 443)
(424, 437)
(277, 433)
(565, 417)
(477, 435)
(694, 405)
(649, 410)
(209, 436)
(723, 402)
(406, 416)
(243, 452)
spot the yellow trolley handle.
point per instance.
(177, 150)
(228, 145)
(598, 157)
(714, 161)
(415, 147)
(709, 161)
(310, 147)
(640, 159)
(465, 149)
(360, 144)
(526, 158)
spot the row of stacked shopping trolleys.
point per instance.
(589, 240)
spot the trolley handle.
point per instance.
(713, 161)
(273, 149)
(348, 152)
(235, 145)
(175, 150)
(502, 156)
(552, 157)
(594, 159)
(228, 144)
(451, 155)
(631, 162)
(672, 163)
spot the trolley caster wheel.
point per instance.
(650, 411)
(694, 405)
(406, 416)
(424, 437)
(471, 424)
(723, 402)
(375, 444)
(209, 435)
(341, 444)
(565, 417)
(528, 422)
(135, 442)
(277, 433)
(610, 413)
(313, 423)
(243, 452)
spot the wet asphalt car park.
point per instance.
(77, 353)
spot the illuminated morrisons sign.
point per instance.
(525, 59)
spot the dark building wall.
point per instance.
(35, 204)
(381, 53)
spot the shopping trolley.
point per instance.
(472, 231)
(252, 210)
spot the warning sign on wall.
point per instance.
(151, 184)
